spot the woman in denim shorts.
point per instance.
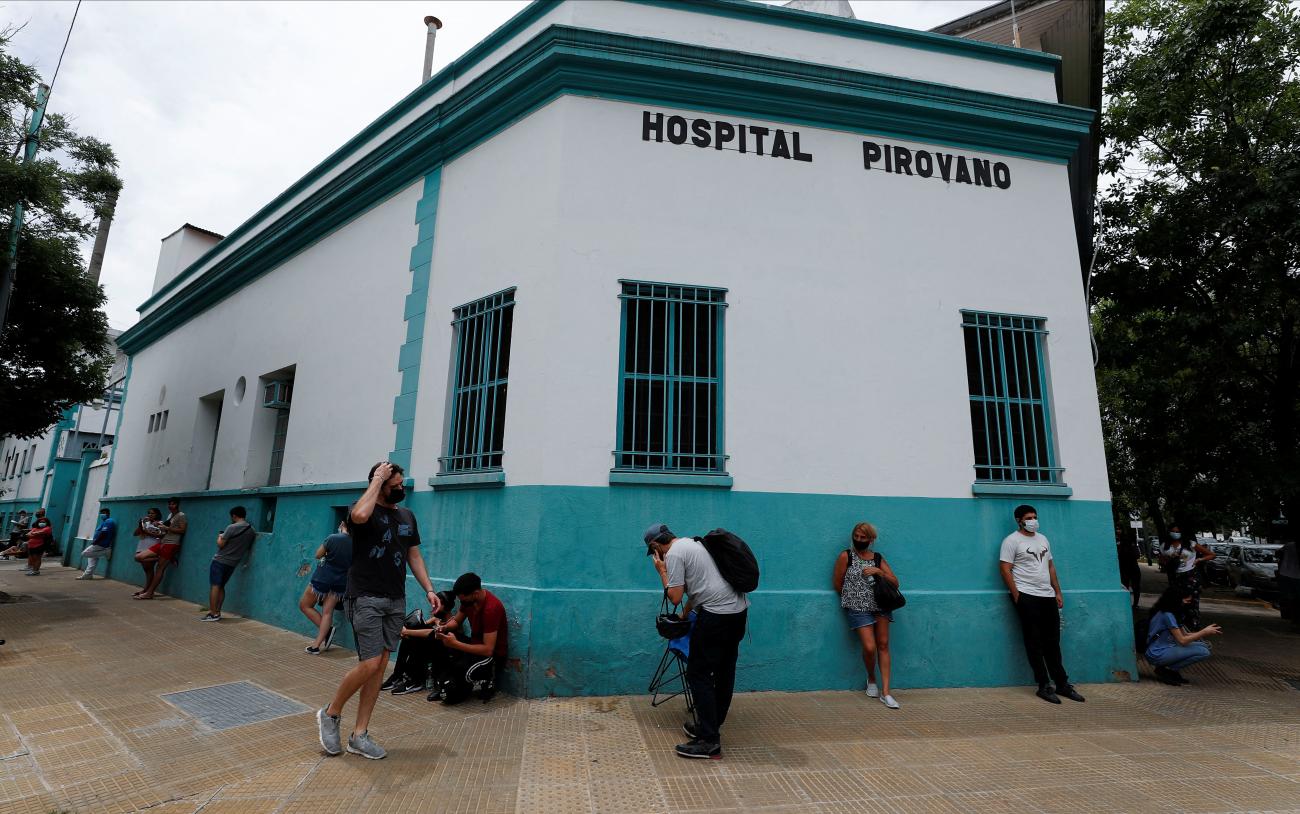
(327, 585)
(855, 578)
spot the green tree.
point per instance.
(1198, 274)
(54, 349)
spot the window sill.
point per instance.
(1023, 489)
(469, 480)
(619, 478)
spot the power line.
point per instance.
(65, 47)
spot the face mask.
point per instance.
(861, 546)
(1175, 535)
(1031, 526)
(397, 494)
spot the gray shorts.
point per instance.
(376, 624)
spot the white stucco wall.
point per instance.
(845, 366)
(700, 28)
(335, 311)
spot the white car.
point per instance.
(1254, 566)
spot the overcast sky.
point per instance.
(215, 108)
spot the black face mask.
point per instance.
(397, 494)
(861, 546)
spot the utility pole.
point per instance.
(10, 270)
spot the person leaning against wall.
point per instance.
(856, 571)
(326, 587)
(1025, 561)
(232, 546)
(101, 544)
(166, 550)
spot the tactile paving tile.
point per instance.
(227, 706)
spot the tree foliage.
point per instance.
(1198, 274)
(54, 350)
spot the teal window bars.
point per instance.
(670, 397)
(1010, 414)
(476, 435)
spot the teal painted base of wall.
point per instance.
(569, 564)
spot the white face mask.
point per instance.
(1174, 535)
(1031, 526)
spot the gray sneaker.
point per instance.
(361, 744)
(329, 731)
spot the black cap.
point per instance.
(656, 531)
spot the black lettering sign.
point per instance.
(960, 169)
(724, 135)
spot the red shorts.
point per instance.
(165, 551)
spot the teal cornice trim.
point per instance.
(569, 61)
(1020, 490)
(408, 356)
(117, 430)
(269, 491)
(865, 30)
(469, 480)
(617, 478)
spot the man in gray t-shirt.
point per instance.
(232, 547)
(686, 567)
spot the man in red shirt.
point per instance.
(475, 663)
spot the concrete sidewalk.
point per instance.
(84, 727)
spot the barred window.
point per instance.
(670, 395)
(476, 437)
(1010, 414)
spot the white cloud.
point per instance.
(215, 108)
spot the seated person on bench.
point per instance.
(475, 664)
(420, 654)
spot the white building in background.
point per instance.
(710, 264)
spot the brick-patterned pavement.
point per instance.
(84, 728)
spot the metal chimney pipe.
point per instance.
(434, 24)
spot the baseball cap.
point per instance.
(654, 532)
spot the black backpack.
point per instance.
(731, 554)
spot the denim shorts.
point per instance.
(219, 573)
(859, 619)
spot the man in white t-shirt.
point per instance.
(1027, 568)
(686, 567)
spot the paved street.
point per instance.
(84, 728)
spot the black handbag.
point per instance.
(669, 624)
(888, 598)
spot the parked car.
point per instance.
(1254, 566)
(1216, 570)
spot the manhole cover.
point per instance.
(227, 706)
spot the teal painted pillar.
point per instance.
(73, 514)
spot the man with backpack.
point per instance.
(687, 567)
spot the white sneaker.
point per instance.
(86, 576)
(872, 690)
(888, 700)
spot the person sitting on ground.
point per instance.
(149, 529)
(421, 655)
(476, 663)
(1170, 648)
(38, 538)
(101, 545)
(19, 527)
(327, 586)
(232, 546)
(165, 551)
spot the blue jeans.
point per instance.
(1178, 657)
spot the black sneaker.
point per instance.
(1071, 693)
(689, 728)
(700, 749)
(405, 687)
(1045, 693)
(390, 682)
(1179, 677)
(329, 640)
(1166, 676)
(435, 694)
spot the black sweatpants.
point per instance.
(466, 669)
(711, 668)
(1040, 624)
(420, 657)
